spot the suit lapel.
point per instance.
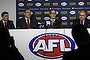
(86, 22)
(2, 23)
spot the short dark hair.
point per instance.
(4, 13)
(27, 9)
(52, 10)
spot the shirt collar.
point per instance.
(52, 20)
(26, 19)
(82, 21)
(3, 21)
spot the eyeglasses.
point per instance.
(52, 13)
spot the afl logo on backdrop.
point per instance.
(51, 45)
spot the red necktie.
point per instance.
(28, 24)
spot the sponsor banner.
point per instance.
(38, 18)
(63, 8)
(72, 18)
(55, 4)
(38, 13)
(64, 23)
(30, 4)
(63, 12)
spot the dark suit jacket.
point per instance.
(57, 24)
(86, 23)
(10, 24)
(21, 23)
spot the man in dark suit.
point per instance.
(28, 21)
(82, 20)
(52, 22)
(82, 39)
(5, 22)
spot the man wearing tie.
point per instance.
(5, 22)
(28, 21)
(52, 22)
(82, 20)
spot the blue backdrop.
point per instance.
(67, 10)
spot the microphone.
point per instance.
(48, 23)
(41, 25)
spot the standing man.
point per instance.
(28, 21)
(52, 22)
(5, 22)
(82, 19)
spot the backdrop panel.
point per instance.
(67, 10)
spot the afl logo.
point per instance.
(51, 45)
(63, 3)
(81, 3)
(46, 18)
(64, 18)
(88, 17)
(38, 4)
(72, 12)
(21, 4)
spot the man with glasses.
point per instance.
(52, 23)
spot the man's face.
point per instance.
(82, 16)
(27, 13)
(52, 14)
(5, 17)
